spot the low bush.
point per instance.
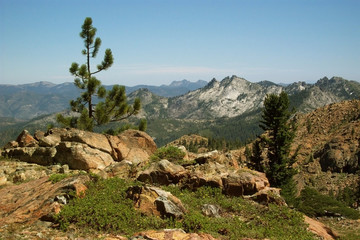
(171, 153)
(106, 208)
(314, 204)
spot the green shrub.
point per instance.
(314, 204)
(243, 218)
(106, 208)
(171, 153)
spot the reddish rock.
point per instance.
(320, 229)
(26, 140)
(132, 145)
(172, 234)
(33, 200)
(244, 182)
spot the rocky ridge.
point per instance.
(234, 96)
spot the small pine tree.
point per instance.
(114, 107)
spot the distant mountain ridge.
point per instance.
(228, 109)
(27, 101)
(234, 96)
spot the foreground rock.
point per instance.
(81, 149)
(37, 199)
(155, 201)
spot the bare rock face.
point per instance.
(81, 150)
(28, 202)
(155, 201)
(168, 234)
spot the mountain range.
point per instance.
(235, 96)
(26, 101)
(228, 109)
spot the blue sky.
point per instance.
(156, 42)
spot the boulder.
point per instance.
(211, 210)
(244, 182)
(123, 169)
(268, 195)
(155, 201)
(49, 139)
(30, 201)
(132, 145)
(163, 172)
(81, 156)
(26, 140)
(93, 140)
(168, 234)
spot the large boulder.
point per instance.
(155, 201)
(132, 145)
(163, 172)
(244, 182)
(82, 156)
(93, 140)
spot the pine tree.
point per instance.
(114, 107)
(276, 120)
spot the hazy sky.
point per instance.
(159, 41)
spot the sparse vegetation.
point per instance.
(106, 208)
(54, 178)
(171, 153)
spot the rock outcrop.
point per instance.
(37, 199)
(81, 149)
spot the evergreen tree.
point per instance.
(276, 120)
(114, 107)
